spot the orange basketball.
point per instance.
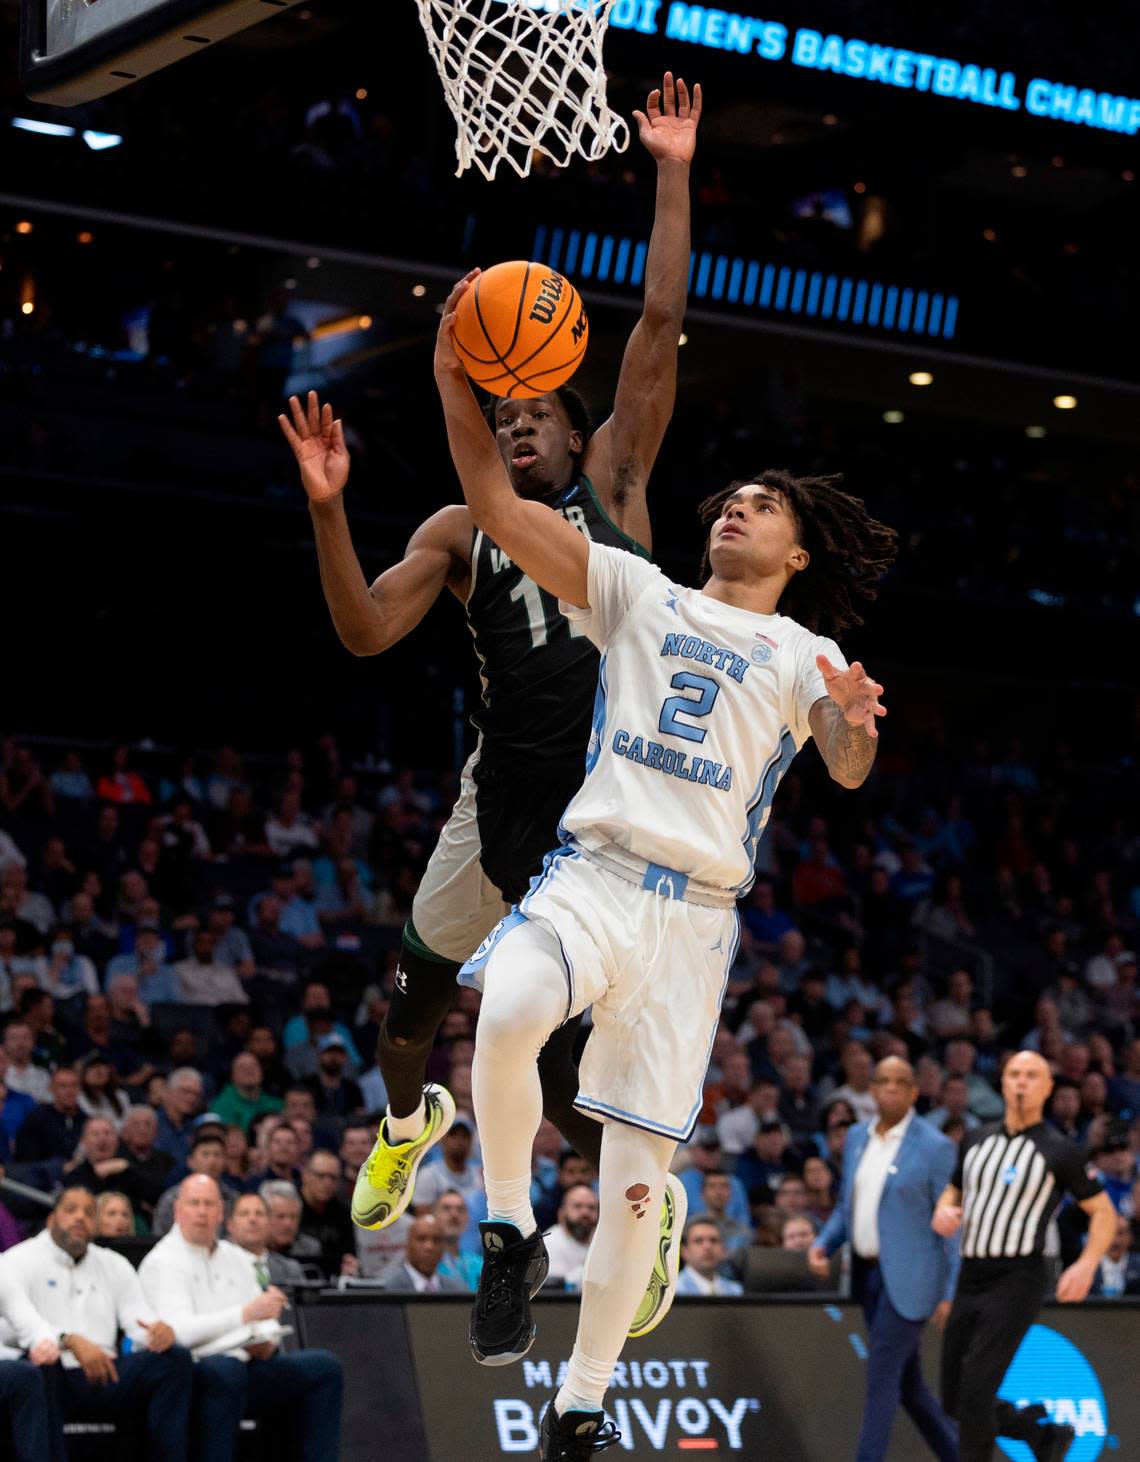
(520, 330)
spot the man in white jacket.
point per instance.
(78, 1297)
(229, 1322)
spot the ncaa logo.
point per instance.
(1049, 1369)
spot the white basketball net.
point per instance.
(521, 75)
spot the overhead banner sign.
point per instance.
(865, 60)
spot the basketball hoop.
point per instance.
(521, 75)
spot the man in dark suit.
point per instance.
(416, 1271)
(894, 1168)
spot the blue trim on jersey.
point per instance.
(632, 1119)
(598, 725)
(761, 801)
(657, 874)
(549, 867)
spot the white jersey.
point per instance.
(700, 709)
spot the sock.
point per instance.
(406, 1129)
(509, 1202)
(587, 1381)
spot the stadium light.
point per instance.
(100, 141)
(47, 129)
(892, 418)
(921, 378)
(1065, 403)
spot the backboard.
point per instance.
(73, 51)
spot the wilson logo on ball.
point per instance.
(520, 330)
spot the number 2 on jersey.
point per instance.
(531, 595)
(686, 705)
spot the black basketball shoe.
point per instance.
(575, 1435)
(514, 1270)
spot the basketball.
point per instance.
(520, 330)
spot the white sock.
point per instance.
(586, 1383)
(406, 1129)
(524, 999)
(509, 1202)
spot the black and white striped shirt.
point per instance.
(1011, 1187)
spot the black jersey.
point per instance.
(539, 672)
(1011, 1186)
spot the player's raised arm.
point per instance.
(539, 541)
(367, 619)
(623, 449)
(843, 722)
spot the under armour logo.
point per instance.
(671, 602)
(494, 1242)
(401, 981)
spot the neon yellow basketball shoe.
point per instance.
(387, 1177)
(658, 1298)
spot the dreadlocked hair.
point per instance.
(576, 409)
(849, 551)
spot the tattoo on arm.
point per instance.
(848, 751)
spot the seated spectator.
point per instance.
(811, 1010)
(952, 1015)
(291, 830)
(22, 902)
(1119, 1271)
(716, 1195)
(303, 1032)
(93, 935)
(248, 1228)
(1115, 1163)
(284, 1203)
(80, 1296)
(19, 1072)
(791, 1197)
(452, 1215)
(731, 1089)
(277, 954)
(262, 1043)
(240, 830)
(344, 903)
(181, 1101)
(207, 1156)
(737, 1128)
(237, 1156)
(149, 1167)
(797, 1107)
(203, 981)
(984, 1102)
(114, 1216)
(51, 1133)
(99, 1093)
(703, 1262)
(220, 1311)
(1124, 1088)
(67, 975)
(231, 944)
(792, 962)
(70, 783)
(764, 920)
(820, 1184)
(282, 1154)
(99, 1166)
(572, 1168)
(98, 1033)
(836, 1121)
(418, 1269)
(121, 785)
(244, 1098)
(764, 1166)
(325, 1218)
(1064, 1110)
(797, 1233)
(954, 1105)
(37, 1008)
(355, 1147)
(335, 1094)
(569, 1240)
(455, 1168)
(157, 981)
(14, 1108)
(857, 1066)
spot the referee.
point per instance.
(1011, 1176)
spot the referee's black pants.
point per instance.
(997, 1301)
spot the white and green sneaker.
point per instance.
(387, 1177)
(658, 1298)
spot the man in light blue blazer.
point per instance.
(894, 1169)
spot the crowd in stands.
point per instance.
(195, 959)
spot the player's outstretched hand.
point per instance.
(668, 126)
(947, 1220)
(318, 445)
(447, 363)
(855, 693)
